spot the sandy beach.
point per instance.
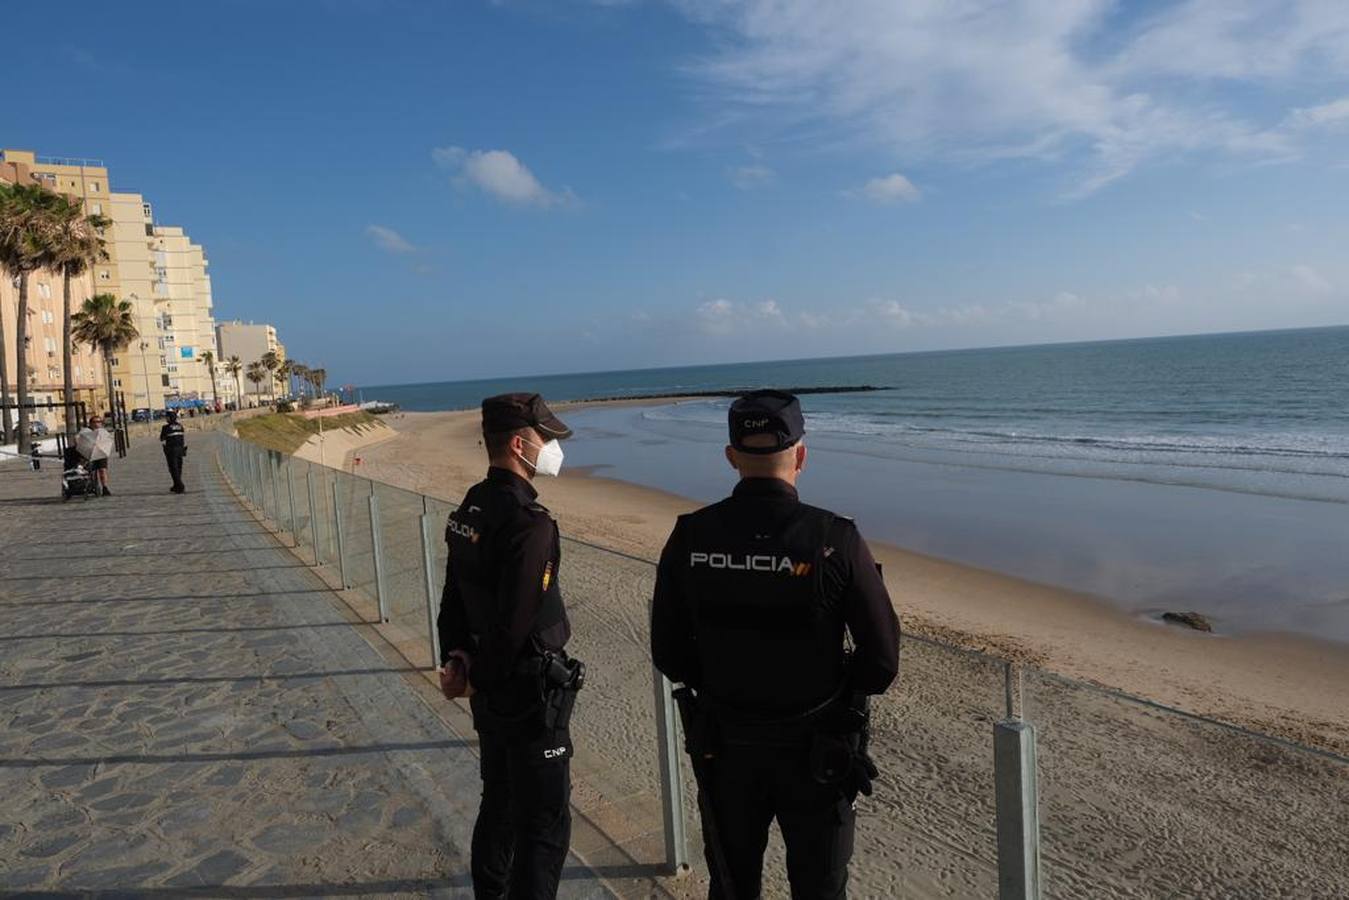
(1135, 800)
(1274, 683)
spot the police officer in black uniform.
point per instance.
(755, 600)
(502, 629)
(174, 438)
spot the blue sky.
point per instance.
(435, 191)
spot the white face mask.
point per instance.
(549, 461)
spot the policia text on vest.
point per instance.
(503, 627)
(755, 599)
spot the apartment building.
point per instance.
(182, 290)
(46, 297)
(250, 342)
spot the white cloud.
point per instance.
(747, 178)
(890, 189)
(389, 240)
(499, 173)
(1310, 280)
(724, 317)
(1096, 85)
(1327, 115)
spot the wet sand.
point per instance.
(1135, 801)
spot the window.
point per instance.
(161, 258)
(117, 382)
(50, 344)
(161, 289)
(165, 379)
(149, 230)
(114, 361)
(93, 186)
(161, 272)
(104, 275)
(44, 291)
(77, 371)
(47, 316)
(96, 208)
(149, 212)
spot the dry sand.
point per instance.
(1136, 802)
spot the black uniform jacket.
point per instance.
(501, 585)
(752, 598)
(173, 437)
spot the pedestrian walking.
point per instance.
(755, 600)
(502, 628)
(173, 436)
(95, 435)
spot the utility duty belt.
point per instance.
(539, 698)
(836, 734)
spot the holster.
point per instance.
(543, 693)
(838, 751)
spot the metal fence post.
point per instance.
(274, 466)
(337, 534)
(290, 495)
(1018, 802)
(378, 553)
(313, 517)
(429, 569)
(671, 778)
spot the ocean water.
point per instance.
(1207, 472)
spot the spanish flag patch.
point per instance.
(547, 575)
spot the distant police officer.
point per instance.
(502, 629)
(752, 600)
(174, 438)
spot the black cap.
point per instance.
(508, 412)
(774, 413)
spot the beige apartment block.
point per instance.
(139, 370)
(46, 293)
(182, 290)
(250, 342)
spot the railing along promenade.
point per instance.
(997, 779)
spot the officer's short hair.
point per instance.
(498, 442)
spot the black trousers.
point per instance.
(175, 461)
(523, 830)
(751, 786)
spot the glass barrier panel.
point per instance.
(299, 473)
(324, 536)
(285, 509)
(354, 508)
(616, 773)
(400, 521)
(1141, 801)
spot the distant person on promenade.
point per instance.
(97, 434)
(174, 438)
(502, 628)
(752, 599)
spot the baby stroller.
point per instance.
(76, 479)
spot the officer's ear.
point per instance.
(800, 456)
(730, 457)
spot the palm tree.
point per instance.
(234, 366)
(318, 377)
(106, 324)
(26, 226)
(301, 374)
(208, 360)
(283, 374)
(8, 231)
(77, 246)
(271, 362)
(257, 373)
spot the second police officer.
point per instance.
(174, 438)
(502, 628)
(755, 599)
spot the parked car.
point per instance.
(37, 428)
(140, 415)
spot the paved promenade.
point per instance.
(186, 710)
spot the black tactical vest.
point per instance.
(769, 638)
(471, 533)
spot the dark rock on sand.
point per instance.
(1188, 619)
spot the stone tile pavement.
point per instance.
(185, 710)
